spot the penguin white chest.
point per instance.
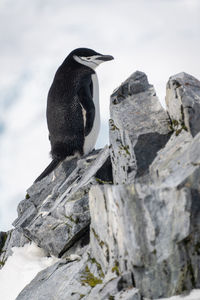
(91, 138)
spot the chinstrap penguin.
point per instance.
(73, 116)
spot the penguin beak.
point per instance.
(105, 58)
(92, 61)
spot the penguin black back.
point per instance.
(70, 105)
(64, 109)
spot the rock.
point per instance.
(183, 102)
(120, 287)
(104, 174)
(55, 214)
(178, 161)
(152, 232)
(139, 128)
(112, 235)
(3, 237)
(129, 294)
(151, 228)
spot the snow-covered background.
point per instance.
(159, 37)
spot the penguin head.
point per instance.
(89, 57)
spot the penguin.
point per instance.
(73, 115)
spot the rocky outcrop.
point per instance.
(157, 240)
(138, 237)
(56, 214)
(139, 128)
(183, 102)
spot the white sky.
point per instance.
(159, 37)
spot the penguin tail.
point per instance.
(53, 164)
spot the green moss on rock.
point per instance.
(89, 278)
(99, 268)
(112, 125)
(2, 263)
(177, 126)
(115, 269)
(72, 219)
(125, 148)
(103, 182)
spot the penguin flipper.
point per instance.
(86, 101)
(53, 164)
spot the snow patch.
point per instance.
(21, 268)
(194, 295)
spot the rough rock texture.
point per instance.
(56, 213)
(139, 128)
(157, 240)
(183, 102)
(138, 238)
(178, 161)
(3, 238)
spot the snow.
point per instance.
(21, 268)
(194, 295)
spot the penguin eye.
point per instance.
(88, 58)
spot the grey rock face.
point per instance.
(3, 237)
(151, 227)
(183, 102)
(179, 160)
(152, 232)
(120, 287)
(56, 213)
(139, 128)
